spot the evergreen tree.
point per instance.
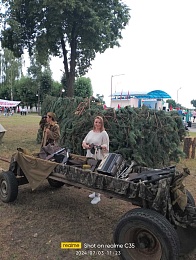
(193, 102)
(83, 87)
(150, 137)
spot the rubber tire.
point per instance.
(55, 184)
(153, 225)
(187, 236)
(8, 186)
(190, 199)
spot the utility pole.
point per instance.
(177, 93)
(111, 83)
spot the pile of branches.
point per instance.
(150, 137)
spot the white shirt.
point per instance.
(97, 138)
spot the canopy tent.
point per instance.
(2, 129)
(8, 103)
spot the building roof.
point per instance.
(158, 94)
(150, 95)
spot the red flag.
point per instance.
(118, 106)
(104, 107)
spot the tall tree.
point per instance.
(83, 87)
(26, 91)
(57, 88)
(42, 77)
(46, 83)
(11, 70)
(171, 102)
(193, 102)
(100, 98)
(74, 29)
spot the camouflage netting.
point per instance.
(160, 195)
(150, 137)
(165, 193)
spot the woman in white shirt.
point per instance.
(98, 137)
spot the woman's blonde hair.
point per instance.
(102, 123)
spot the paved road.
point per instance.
(192, 129)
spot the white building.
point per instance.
(153, 99)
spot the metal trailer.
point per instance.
(162, 227)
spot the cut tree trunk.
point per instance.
(187, 149)
(193, 148)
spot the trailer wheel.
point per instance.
(8, 186)
(55, 184)
(190, 199)
(145, 234)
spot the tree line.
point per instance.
(32, 88)
(174, 105)
(75, 30)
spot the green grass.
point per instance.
(192, 134)
(21, 131)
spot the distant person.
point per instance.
(99, 137)
(194, 115)
(5, 111)
(180, 111)
(12, 113)
(23, 111)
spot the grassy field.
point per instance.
(21, 132)
(192, 134)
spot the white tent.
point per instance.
(8, 103)
(2, 129)
(2, 132)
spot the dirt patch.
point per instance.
(35, 224)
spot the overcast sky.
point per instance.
(158, 52)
